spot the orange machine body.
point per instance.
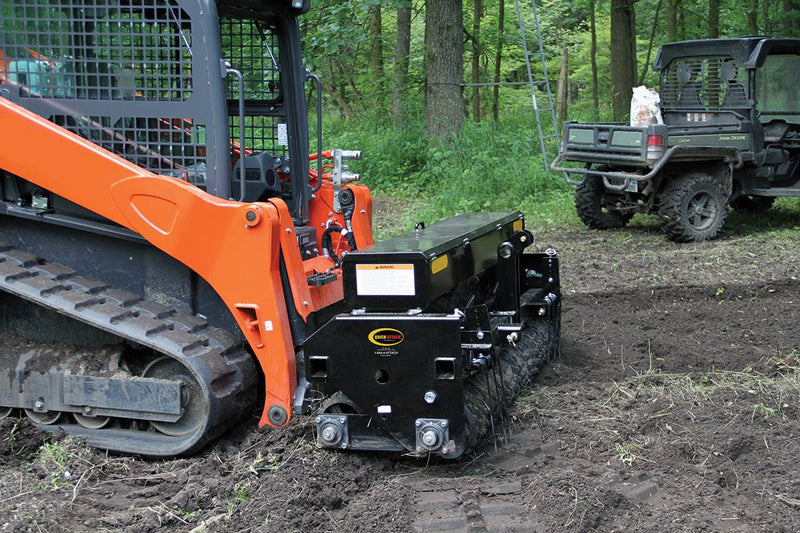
(211, 236)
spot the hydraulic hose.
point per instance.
(327, 241)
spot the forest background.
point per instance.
(435, 92)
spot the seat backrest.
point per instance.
(735, 95)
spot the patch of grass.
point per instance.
(634, 420)
(631, 451)
(781, 222)
(240, 496)
(52, 454)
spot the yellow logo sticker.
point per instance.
(386, 337)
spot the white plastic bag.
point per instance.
(644, 107)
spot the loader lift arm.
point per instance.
(174, 216)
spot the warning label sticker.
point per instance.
(385, 280)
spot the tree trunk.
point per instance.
(673, 7)
(476, 57)
(713, 19)
(765, 12)
(375, 47)
(563, 83)
(790, 20)
(752, 16)
(401, 54)
(650, 43)
(444, 66)
(498, 58)
(623, 57)
(593, 60)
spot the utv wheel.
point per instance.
(592, 201)
(692, 208)
(752, 204)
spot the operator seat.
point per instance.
(689, 89)
(735, 93)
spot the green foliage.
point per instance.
(489, 168)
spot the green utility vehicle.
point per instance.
(731, 135)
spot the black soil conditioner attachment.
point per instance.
(447, 325)
(730, 136)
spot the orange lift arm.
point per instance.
(221, 240)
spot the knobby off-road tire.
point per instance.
(752, 204)
(591, 202)
(692, 207)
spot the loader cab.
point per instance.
(200, 90)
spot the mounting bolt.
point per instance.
(39, 404)
(480, 335)
(305, 303)
(429, 438)
(419, 423)
(542, 311)
(523, 238)
(318, 419)
(330, 434)
(550, 280)
(288, 230)
(252, 216)
(87, 409)
(443, 423)
(342, 420)
(430, 397)
(277, 415)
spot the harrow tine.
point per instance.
(500, 406)
(491, 409)
(502, 391)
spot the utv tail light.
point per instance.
(655, 148)
(655, 140)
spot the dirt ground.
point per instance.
(675, 406)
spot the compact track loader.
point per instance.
(170, 254)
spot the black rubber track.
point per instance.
(220, 363)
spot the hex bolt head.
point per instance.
(542, 311)
(330, 434)
(418, 423)
(443, 423)
(39, 404)
(342, 420)
(429, 438)
(480, 335)
(430, 397)
(523, 238)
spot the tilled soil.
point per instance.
(675, 405)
